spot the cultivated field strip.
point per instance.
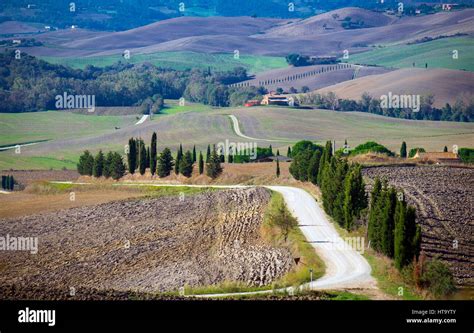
(444, 200)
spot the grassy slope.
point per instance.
(181, 60)
(437, 53)
(31, 126)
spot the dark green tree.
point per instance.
(165, 163)
(153, 153)
(288, 152)
(278, 168)
(99, 162)
(132, 156)
(401, 246)
(118, 167)
(355, 199)
(403, 150)
(108, 164)
(186, 164)
(373, 228)
(313, 167)
(201, 163)
(213, 167)
(86, 164)
(179, 155)
(324, 161)
(387, 208)
(143, 162)
(445, 149)
(194, 154)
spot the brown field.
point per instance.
(258, 36)
(147, 246)
(317, 81)
(444, 84)
(443, 198)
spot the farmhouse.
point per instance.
(438, 157)
(275, 99)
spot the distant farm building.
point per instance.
(438, 157)
(276, 99)
(448, 6)
(252, 102)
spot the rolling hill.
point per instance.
(444, 84)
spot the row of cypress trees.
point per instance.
(141, 157)
(8, 183)
(392, 228)
(109, 166)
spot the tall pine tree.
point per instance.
(165, 163)
(132, 156)
(98, 164)
(403, 150)
(142, 160)
(201, 163)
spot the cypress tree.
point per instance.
(179, 155)
(108, 165)
(208, 153)
(118, 167)
(324, 161)
(222, 158)
(337, 190)
(327, 184)
(147, 162)
(186, 164)
(387, 227)
(230, 158)
(194, 154)
(98, 164)
(403, 150)
(86, 164)
(4, 182)
(143, 164)
(213, 167)
(12, 183)
(288, 152)
(165, 163)
(401, 251)
(278, 168)
(7, 182)
(132, 156)
(313, 167)
(201, 163)
(445, 149)
(374, 223)
(278, 152)
(355, 199)
(153, 154)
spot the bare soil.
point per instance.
(139, 246)
(444, 200)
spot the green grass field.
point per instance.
(32, 126)
(437, 53)
(195, 124)
(180, 61)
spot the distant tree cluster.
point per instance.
(460, 111)
(8, 182)
(30, 84)
(109, 166)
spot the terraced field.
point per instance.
(444, 200)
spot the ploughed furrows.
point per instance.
(144, 246)
(443, 197)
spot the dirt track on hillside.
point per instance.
(147, 245)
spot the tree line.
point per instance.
(109, 166)
(460, 111)
(30, 84)
(392, 228)
(8, 182)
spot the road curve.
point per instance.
(235, 125)
(345, 267)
